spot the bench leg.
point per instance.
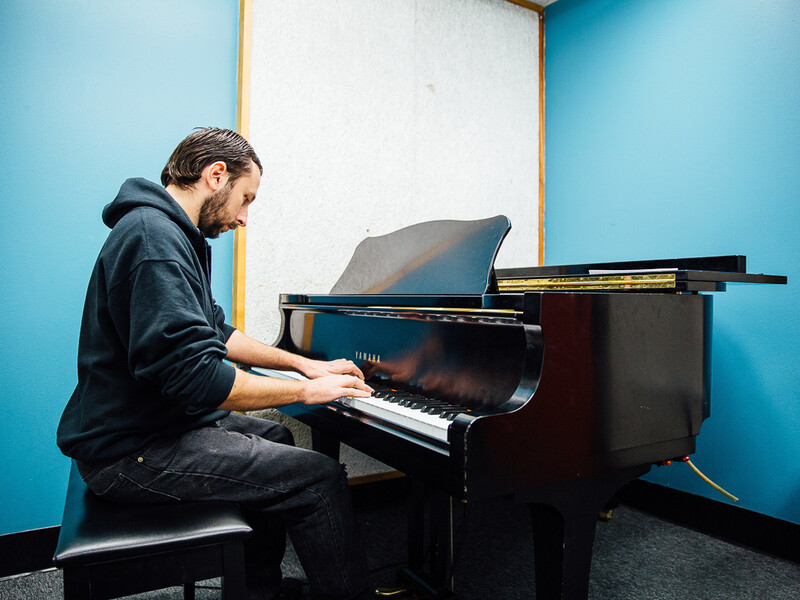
(188, 590)
(233, 584)
(77, 585)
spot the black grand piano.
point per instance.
(553, 386)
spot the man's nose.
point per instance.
(241, 217)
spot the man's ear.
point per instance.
(216, 175)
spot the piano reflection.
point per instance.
(553, 386)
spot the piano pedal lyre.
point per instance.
(435, 582)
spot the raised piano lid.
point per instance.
(435, 257)
(698, 274)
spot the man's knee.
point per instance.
(275, 432)
(331, 472)
(282, 435)
(257, 426)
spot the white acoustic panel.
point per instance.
(371, 116)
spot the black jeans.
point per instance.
(254, 463)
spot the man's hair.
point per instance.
(204, 146)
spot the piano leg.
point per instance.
(436, 583)
(415, 522)
(564, 518)
(441, 550)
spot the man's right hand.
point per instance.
(331, 387)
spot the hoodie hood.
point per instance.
(152, 341)
(139, 192)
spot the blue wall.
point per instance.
(92, 92)
(673, 129)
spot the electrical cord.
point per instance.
(707, 480)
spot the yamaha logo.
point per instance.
(376, 358)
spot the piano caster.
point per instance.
(605, 515)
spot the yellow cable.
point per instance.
(709, 482)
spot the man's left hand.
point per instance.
(320, 368)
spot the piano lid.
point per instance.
(435, 257)
(697, 274)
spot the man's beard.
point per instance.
(213, 212)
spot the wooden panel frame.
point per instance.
(541, 135)
(243, 127)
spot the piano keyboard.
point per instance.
(426, 416)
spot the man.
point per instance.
(149, 420)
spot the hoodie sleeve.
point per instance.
(170, 341)
(219, 318)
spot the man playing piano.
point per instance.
(149, 420)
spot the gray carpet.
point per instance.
(636, 557)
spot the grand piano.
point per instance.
(551, 386)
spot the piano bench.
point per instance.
(109, 549)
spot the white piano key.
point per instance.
(402, 416)
(409, 418)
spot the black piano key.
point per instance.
(420, 402)
(434, 405)
(451, 413)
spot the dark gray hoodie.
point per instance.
(152, 341)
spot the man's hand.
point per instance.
(253, 392)
(244, 349)
(330, 387)
(320, 368)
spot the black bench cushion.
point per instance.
(94, 530)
